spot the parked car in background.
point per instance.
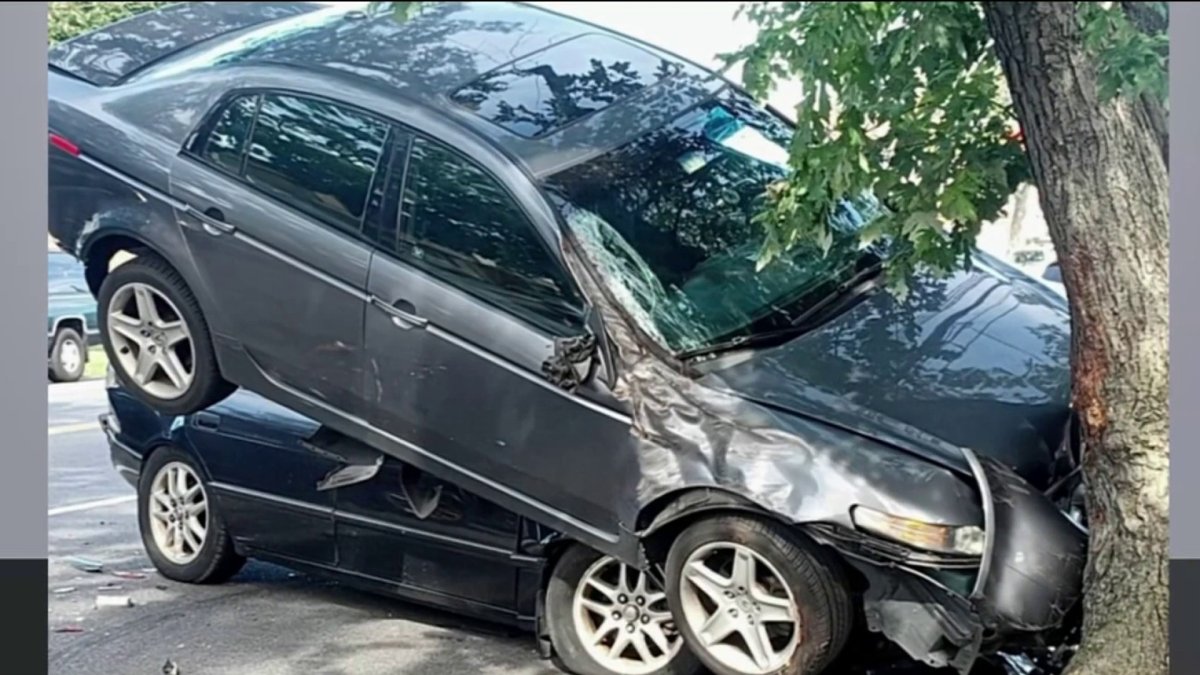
(517, 253)
(71, 318)
(1052, 277)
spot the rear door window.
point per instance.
(316, 156)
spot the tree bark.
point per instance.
(1102, 181)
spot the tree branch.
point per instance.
(1148, 19)
(1145, 17)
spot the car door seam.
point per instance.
(469, 474)
(462, 343)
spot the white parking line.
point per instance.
(84, 506)
(72, 428)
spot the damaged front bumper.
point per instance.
(947, 611)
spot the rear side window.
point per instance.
(313, 155)
(466, 229)
(227, 141)
(317, 156)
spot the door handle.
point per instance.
(205, 420)
(214, 222)
(404, 314)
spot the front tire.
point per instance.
(157, 338)
(755, 598)
(606, 618)
(68, 357)
(181, 526)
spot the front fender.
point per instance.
(804, 471)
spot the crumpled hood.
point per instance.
(979, 359)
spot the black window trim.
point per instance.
(197, 141)
(404, 234)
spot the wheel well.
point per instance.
(163, 442)
(75, 323)
(660, 521)
(105, 254)
(663, 519)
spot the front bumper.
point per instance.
(947, 612)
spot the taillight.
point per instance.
(63, 144)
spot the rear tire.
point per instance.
(793, 603)
(194, 381)
(583, 631)
(68, 357)
(207, 558)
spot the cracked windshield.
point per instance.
(670, 222)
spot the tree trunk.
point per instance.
(1102, 180)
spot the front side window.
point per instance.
(669, 221)
(315, 156)
(465, 228)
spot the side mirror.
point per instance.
(1053, 273)
(573, 362)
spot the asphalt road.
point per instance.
(267, 620)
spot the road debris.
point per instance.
(64, 590)
(69, 629)
(124, 574)
(169, 668)
(113, 601)
(86, 565)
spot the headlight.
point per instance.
(955, 539)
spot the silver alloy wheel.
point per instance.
(69, 356)
(740, 608)
(178, 513)
(622, 619)
(153, 344)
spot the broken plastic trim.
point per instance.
(423, 496)
(358, 462)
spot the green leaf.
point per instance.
(69, 19)
(921, 114)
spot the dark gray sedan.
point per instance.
(518, 253)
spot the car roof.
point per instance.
(448, 48)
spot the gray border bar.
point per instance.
(23, 275)
(1185, 277)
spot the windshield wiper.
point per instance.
(858, 285)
